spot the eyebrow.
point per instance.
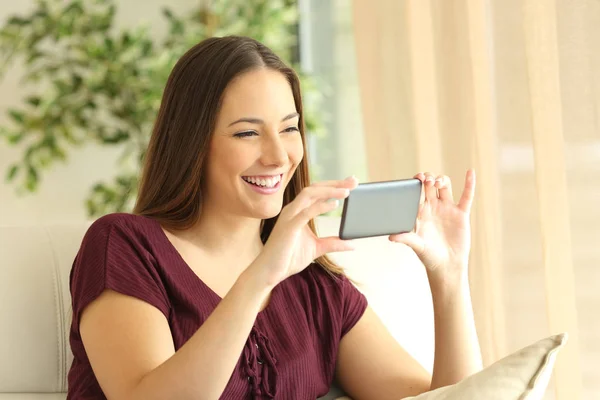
(259, 121)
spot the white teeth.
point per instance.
(268, 182)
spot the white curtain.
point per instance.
(510, 88)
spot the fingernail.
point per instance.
(351, 177)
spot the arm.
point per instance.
(371, 364)
(457, 353)
(130, 347)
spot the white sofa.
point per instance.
(35, 304)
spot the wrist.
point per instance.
(257, 278)
(451, 281)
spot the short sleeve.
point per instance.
(114, 256)
(354, 305)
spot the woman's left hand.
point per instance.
(442, 235)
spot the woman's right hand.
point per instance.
(292, 246)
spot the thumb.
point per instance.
(333, 244)
(411, 239)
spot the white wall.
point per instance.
(64, 187)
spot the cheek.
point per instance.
(232, 167)
(296, 150)
(228, 159)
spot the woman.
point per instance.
(210, 289)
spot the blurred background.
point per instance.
(391, 87)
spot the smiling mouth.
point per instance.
(264, 182)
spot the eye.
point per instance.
(245, 134)
(291, 129)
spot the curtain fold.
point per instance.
(423, 83)
(542, 53)
(487, 245)
(388, 144)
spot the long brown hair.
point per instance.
(171, 184)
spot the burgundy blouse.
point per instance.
(291, 350)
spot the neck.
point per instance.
(223, 235)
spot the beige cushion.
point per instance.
(523, 375)
(35, 308)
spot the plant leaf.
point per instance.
(18, 21)
(15, 138)
(33, 101)
(106, 82)
(17, 116)
(12, 172)
(32, 179)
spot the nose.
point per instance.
(274, 151)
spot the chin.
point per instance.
(267, 212)
(266, 207)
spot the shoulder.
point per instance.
(121, 221)
(117, 240)
(121, 239)
(119, 227)
(322, 284)
(114, 233)
(118, 252)
(320, 275)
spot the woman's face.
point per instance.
(256, 146)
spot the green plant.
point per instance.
(94, 83)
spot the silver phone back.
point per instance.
(381, 208)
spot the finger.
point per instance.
(316, 193)
(431, 194)
(333, 244)
(444, 188)
(349, 183)
(466, 200)
(410, 239)
(312, 194)
(314, 210)
(420, 176)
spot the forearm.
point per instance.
(457, 352)
(203, 366)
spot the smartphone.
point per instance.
(381, 208)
